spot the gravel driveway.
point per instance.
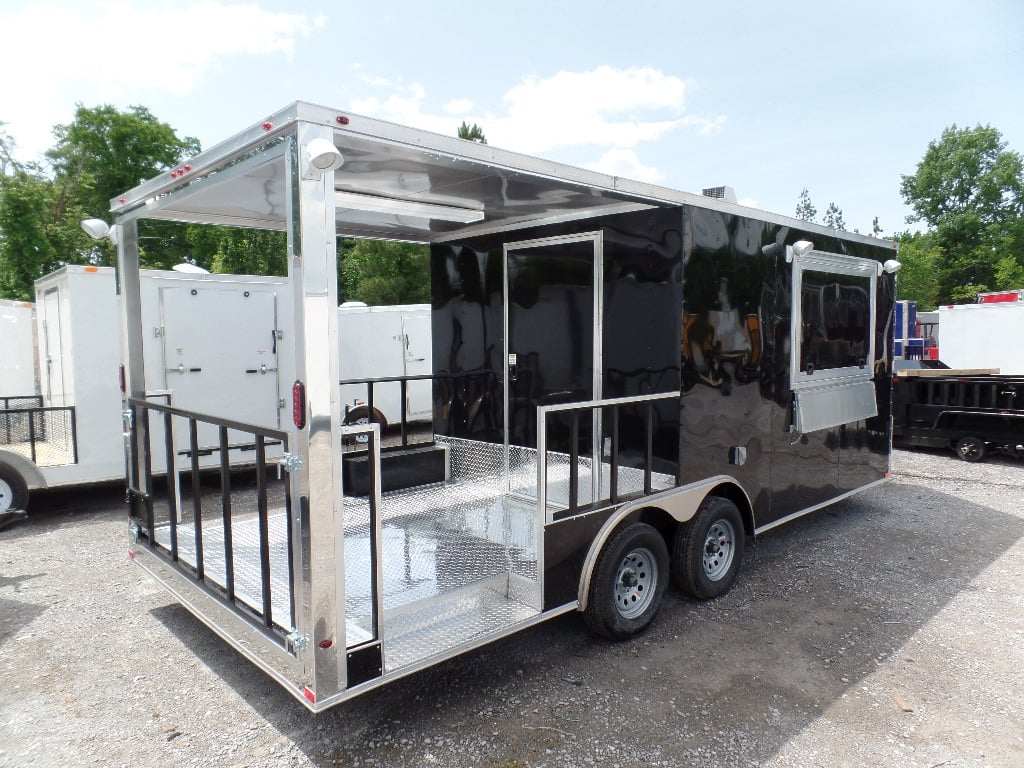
(887, 630)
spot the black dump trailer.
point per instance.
(974, 414)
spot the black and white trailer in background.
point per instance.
(629, 382)
(203, 334)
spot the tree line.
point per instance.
(967, 191)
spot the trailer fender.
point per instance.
(677, 505)
(28, 471)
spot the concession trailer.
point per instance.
(628, 383)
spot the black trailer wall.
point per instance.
(735, 369)
(721, 335)
(642, 294)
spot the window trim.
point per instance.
(822, 261)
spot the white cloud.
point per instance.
(58, 54)
(605, 107)
(625, 163)
(458, 106)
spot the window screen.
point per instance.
(836, 321)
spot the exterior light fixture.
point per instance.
(322, 156)
(97, 229)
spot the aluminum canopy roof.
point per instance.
(243, 182)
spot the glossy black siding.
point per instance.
(696, 301)
(737, 307)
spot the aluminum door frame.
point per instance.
(597, 380)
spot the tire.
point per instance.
(708, 551)
(13, 490)
(970, 448)
(628, 583)
(360, 415)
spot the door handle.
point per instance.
(263, 370)
(181, 369)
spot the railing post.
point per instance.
(574, 457)
(225, 495)
(171, 479)
(264, 525)
(403, 389)
(197, 502)
(649, 452)
(614, 480)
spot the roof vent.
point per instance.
(720, 193)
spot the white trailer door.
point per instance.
(53, 349)
(220, 351)
(416, 340)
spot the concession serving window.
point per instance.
(833, 338)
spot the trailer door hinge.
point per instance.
(290, 462)
(296, 643)
(127, 418)
(158, 332)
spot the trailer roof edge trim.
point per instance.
(424, 167)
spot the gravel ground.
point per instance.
(886, 630)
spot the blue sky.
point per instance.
(769, 98)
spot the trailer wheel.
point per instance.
(361, 415)
(970, 448)
(708, 550)
(13, 490)
(628, 583)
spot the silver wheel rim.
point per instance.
(6, 496)
(968, 449)
(719, 549)
(635, 582)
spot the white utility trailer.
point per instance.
(384, 355)
(628, 383)
(211, 341)
(983, 335)
(18, 377)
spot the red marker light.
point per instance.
(299, 405)
(325, 644)
(268, 126)
(342, 120)
(308, 693)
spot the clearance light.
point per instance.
(299, 405)
(308, 693)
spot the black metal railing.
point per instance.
(403, 384)
(608, 413)
(48, 436)
(214, 538)
(464, 400)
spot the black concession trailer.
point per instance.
(629, 384)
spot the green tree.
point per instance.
(805, 210)
(834, 217)
(104, 152)
(917, 280)
(472, 133)
(238, 251)
(969, 190)
(27, 249)
(384, 272)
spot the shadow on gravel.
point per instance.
(69, 506)
(819, 605)
(15, 614)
